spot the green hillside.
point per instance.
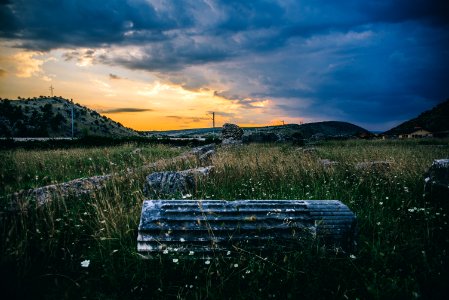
(51, 117)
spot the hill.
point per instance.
(435, 120)
(51, 117)
(272, 133)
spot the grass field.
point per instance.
(86, 248)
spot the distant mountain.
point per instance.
(435, 120)
(51, 117)
(309, 130)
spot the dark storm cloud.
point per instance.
(363, 61)
(124, 110)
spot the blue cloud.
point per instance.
(369, 62)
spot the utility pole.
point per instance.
(213, 119)
(51, 89)
(283, 123)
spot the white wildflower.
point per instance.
(175, 260)
(207, 262)
(85, 263)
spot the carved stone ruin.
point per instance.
(205, 227)
(231, 134)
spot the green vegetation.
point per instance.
(402, 245)
(51, 117)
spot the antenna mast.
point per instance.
(51, 89)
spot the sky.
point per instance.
(167, 64)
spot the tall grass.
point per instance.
(23, 169)
(401, 249)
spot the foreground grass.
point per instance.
(401, 249)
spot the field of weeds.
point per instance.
(85, 247)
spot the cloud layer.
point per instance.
(369, 62)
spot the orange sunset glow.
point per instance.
(137, 99)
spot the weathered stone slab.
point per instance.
(436, 186)
(172, 182)
(45, 194)
(206, 227)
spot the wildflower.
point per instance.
(186, 196)
(352, 256)
(228, 253)
(85, 263)
(165, 251)
(381, 203)
(207, 262)
(191, 252)
(175, 260)
(378, 223)
(236, 265)
(182, 240)
(386, 198)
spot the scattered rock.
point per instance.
(136, 151)
(374, 165)
(172, 182)
(231, 134)
(327, 163)
(204, 153)
(203, 149)
(436, 186)
(206, 157)
(309, 150)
